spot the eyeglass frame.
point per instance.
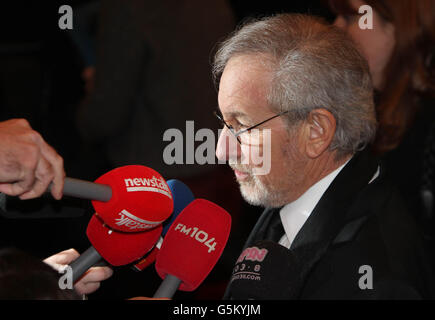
(237, 134)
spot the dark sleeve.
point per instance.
(119, 69)
(2, 201)
(389, 290)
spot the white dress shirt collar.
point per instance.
(296, 213)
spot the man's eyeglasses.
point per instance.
(237, 134)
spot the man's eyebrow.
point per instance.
(237, 114)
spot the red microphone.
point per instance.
(141, 199)
(117, 248)
(149, 258)
(192, 247)
(130, 199)
(182, 196)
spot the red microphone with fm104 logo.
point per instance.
(132, 198)
(192, 247)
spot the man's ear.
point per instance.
(320, 128)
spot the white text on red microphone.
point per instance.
(197, 234)
(148, 184)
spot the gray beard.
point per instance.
(255, 193)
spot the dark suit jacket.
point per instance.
(355, 224)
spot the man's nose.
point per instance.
(227, 149)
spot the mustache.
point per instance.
(242, 168)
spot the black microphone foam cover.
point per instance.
(266, 271)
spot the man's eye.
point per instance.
(239, 126)
(243, 127)
(350, 17)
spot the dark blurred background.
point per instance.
(45, 74)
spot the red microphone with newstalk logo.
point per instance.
(141, 199)
(130, 199)
(117, 248)
(192, 247)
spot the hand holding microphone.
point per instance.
(27, 163)
(88, 283)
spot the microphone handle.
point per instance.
(86, 190)
(87, 259)
(168, 287)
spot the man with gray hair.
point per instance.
(301, 82)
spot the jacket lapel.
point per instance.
(332, 211)
(334, 219)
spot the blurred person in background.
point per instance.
(400, 52)
(152, 73)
